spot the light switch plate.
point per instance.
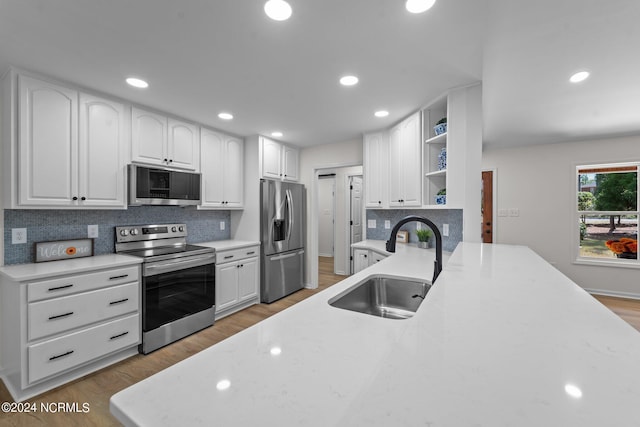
(92, 231)
(445, 229)
(222, 225)
(18, 235)
(387, 224)
(371, 223)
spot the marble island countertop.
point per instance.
(502, 339)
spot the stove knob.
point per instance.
(133, 231)
(181, 228)
(174, 229)
(124, 232)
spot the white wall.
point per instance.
(539, 181)
(326, 156)
(325, 216)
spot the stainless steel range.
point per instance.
(178, 295)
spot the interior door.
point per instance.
(487, 207)
(355, 213)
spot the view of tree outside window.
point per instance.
(607, 200)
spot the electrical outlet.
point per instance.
(387, 224)
(92, 231)
(514, 212)
(503, 212)
(371, 223)
(418, 226)
(222, 225)
(18, 235)
(445, 229)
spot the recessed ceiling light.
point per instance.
(278, 10)
(223, 385)
(573, 391)
(276, 134)
(139, 83)
(348, 80)
(381, 113)
(419, 6)
(579, 76)
(225, 116)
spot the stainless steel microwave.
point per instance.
(155, 186)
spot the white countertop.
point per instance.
(224, 245)
(496, 341)
(43, 270)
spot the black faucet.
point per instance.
(391, 243)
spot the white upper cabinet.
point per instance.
(158, 140)
(376, 170)
(278, 161)
(48, 143)
(70, 148)
(405, 156)
(101, 153)
(222, 170)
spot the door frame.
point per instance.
(313, 227)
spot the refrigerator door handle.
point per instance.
(279, 257)
(289, 199)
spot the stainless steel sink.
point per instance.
(383, 297)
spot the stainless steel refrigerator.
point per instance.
(282, 231)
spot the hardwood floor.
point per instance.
(97, 388)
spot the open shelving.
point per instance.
(435, 179)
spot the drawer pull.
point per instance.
(251, 253)
(59, 316)
(61, 355)
(228, 256)
(119, 301)
(118, 277)
(119, 335)
(57, 288)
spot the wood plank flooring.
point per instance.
(97, 388)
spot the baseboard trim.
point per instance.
(628, 295)
(325, 255)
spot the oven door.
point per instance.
(172, 295)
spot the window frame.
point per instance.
(610, 262)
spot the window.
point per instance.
(607, 213)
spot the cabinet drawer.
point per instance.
(80, 282)
(67, 352)
(237, 254)
(57, 315)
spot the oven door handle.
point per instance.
(152, 269)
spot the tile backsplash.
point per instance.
(453, 217)
(45, 225)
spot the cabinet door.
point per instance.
(396, 164)
(270, 159)
(375, 170)
(290, 163)
(48, 141)
(411, 161)
(360, 259)
(233, 182)
(101, 153)
(183, 150)
(226, 285)
(248, 279)
(149, 137)
(212, 155)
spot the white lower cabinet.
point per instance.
(237, 279)
(363, 258)
(68, 325)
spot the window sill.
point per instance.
(619, 263)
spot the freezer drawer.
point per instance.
(282, 274)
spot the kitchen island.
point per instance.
(502, 339)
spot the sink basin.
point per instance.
(383, 297)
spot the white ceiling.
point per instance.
(203, 57)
